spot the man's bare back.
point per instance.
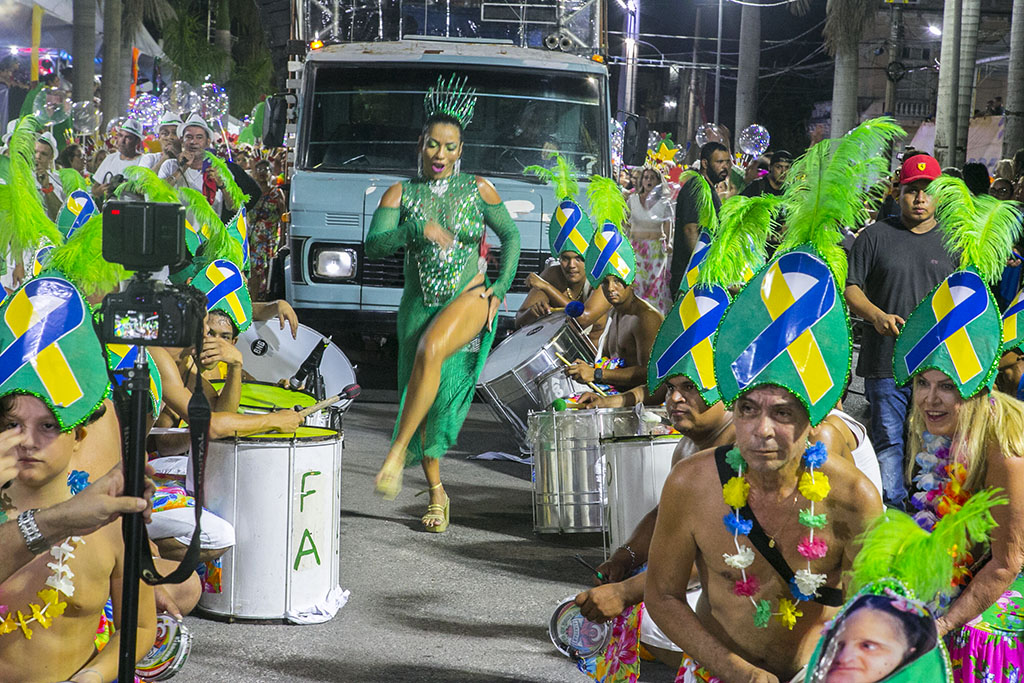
(630, 335)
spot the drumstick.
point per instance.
(589, 384)
(329, 401)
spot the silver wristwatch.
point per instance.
(34, 539)
(599, 374)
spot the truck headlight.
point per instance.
(335, 264)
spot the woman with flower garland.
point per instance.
(967, 437)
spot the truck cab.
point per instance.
(360, 115)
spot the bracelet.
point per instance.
(34, 539)
(599, 377)
(632, 555)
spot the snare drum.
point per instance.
(258, 398)
(282, 493)
(269, 354)
(509, 380)
(169, 652)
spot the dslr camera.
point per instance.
(146, 237)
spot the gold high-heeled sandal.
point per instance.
(436, 512)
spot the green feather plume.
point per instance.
(71, 180)
(562, 176)
(606, 202)
(826, 189)
(744, 225)
(981, 229)
(26, 224)
(703, 200)
(143, 181)
(894, 546)
(219, 244)
(231, 188)
(80, 259)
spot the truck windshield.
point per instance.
(367, 118)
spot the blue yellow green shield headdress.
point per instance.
(569, 228)
(1013, 324)
(609, 252)
(121, 359)
(694, 183)
(49, 349)
(238, 229)
(957, 329)
(224, 286)
(78, 208)
(788, 327)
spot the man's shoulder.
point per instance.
(849, 487)
(695, 473)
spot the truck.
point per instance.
(358, 113)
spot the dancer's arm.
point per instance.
(386, 236)
(498, 219)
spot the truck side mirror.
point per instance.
(274, 119)
(634, 140)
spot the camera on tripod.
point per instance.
(146, 237)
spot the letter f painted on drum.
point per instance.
(303, 492)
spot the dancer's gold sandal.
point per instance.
(390, 482)
(436, 512)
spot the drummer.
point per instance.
(569, 234)
(632, 323)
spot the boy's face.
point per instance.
(45, 452)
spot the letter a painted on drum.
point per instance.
(303, 552)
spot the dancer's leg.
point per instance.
(432, 471)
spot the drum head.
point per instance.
(302, 434)
(521, 346)
(270, 354)
(169, 652)
(263, 397)
(574, 635)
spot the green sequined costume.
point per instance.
(435, 276)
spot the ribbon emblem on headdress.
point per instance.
(798, 291)
(77, 210)
(40, 259)
(958, 301)
(700, 311)
(568, 216)
(1011, 330)
(124, 356)
(700, 252)
(607, 240)
(39, 315)
(227, 281)
(238, 228)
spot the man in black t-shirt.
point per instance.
(894, 264)
(771, 183)
(714, 167)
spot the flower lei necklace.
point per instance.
(805, 584)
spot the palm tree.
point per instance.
(111, 60)
(83, 48)
(844, 24)
(1013, 136)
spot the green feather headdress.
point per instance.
(143, 181)
(607, 205)
(981, 229)
(80, 260)
(693, 180)
(895, 547)
(827, 187)
(27, 222)
(740, 245)
(71, 180)
(562, 177)
(223, 173)
(219, 242)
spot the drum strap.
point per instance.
(830, 597)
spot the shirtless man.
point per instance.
(556, 286)
(632, 325)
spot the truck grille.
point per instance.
(387, 272)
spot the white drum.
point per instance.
(636, 469)
(270, 354)
(282, 493)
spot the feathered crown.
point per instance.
(451, 99)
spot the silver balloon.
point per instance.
(214, 101)
(52, 105)
(660, 204)
(708, 132)
(754, 140)
(147, 110)
(180, 98)
(85, 117)
(114, 124)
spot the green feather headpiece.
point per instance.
(143, 181)
(609, 252)
(210, 229)
(27, 224)
(451, 99)
(569, 228)
(71, 180)
(739, 248)
(80, 260)
(694, 182)
(223, 173)
(562, 177)
(957, 329)
(607, 205)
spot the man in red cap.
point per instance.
(894, 264)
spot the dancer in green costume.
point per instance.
(445, 320)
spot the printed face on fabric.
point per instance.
(870, 645)
(772, 428)
(45, 452)
(939, 401)
(440, 149)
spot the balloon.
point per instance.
(85, 118)
(52, 105)
(754, 140)
(708, 132)
(660, 204)
(180, 98)
(114, 124)
(147, 109)
(214, 101)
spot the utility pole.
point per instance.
(691, 107)
(630, 46)
(83, 48)
(894, 71)
(109, 95)
(970, 18)
(718, 62)
(1013, 133)
(749, 66)
(949, 83)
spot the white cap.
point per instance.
(169, 118)
(132, 126)
(195, 120)
(47, 137)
